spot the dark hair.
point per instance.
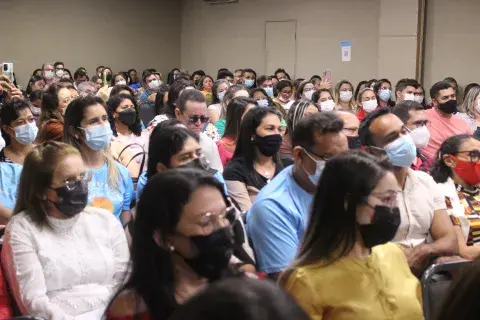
(254, 74)
(452, 81)
(58, 63)
(300, 87)
(200, 73)
(32, 80)
(307, 128)
(159, 210)
(364, 131)
(316, 76)
(171, 76)
(103, 67)
(35, 95)
(357, 90)
(112, 82)
(370, 82)
(295, 113)
(402, 84)
(346, 181)
(282, 84)
(173, 93)
(440, 172)
(65, 70)
(200, 82)
(235, 110)
(165, 142)
(9, 113)
(262, 79)
(241, 299)
(468, 87)
(216, 84)
(280, 70)
(79, 73)
(160, 107)
(317, 93)
(189, 95)
(245, 149)
(112, 105)
(121, 87)
(35, 72)
(224, 74)
(95, 78)
(378, 86)
(50, 104)
(237, 70)
(402, 110)
(145, 74)
(441, 85)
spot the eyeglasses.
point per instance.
(70, 184)
(313, 155)
(211, 218)
(420, 123)
(474, 155)
(194, 119)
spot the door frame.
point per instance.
(265, 46)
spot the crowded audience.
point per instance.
(129, 195)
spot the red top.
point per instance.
(5, 301)
(226, 148)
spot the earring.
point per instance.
(172, 248)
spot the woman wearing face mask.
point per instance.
(19, 130)
(88, 130)
(172, 76)
(36, 103)
(129, 143)
(182, 241)
(205, 85)
(262, 98)
(118, 79)
(324, 98)
(65, 260)
(255, 161)
(367, 103)
(305, 90)
(219, 90)
(346, 268)
(237, 90)
(344, 96)
(285, 92)
(298, 110)
(383, 89)
(250, 78)
(457, 171)
(236, 110)
(35, 83)
(470, 110)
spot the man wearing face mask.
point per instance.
(425, 231)
(48, 73)
(279, 215)
(405, 90)
(443, 123)
(415, 119)
(152, 84)
(249, 78)
(350, 128)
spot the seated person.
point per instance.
(63, 260)
(456, 170)
(279, 215)
(421, 202)
(350, 128)
(255, 161)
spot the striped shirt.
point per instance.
(471, 203)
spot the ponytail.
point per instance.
(440, 172)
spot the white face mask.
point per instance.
(346, 96)
(420, 136)
(121, 83)
(154, 84)
(308, 95)
(59, 73)
(418, 99)
(49, 75)
(370, 105)
(409, 97)
(327, 106)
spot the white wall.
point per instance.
(119, 33)
(233, 35)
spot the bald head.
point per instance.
(351, 123)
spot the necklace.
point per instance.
(266, 171)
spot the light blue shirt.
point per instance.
(99, 191)
(276, 222)
(142, 181)
(9, 178)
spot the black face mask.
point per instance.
(196, 164)
(109, 77)
(354, 143)
(214, 253)
(268, 145)
(72, 201)
(127, 117)
(448, 107)
(383, 228)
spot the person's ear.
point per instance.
(6, 129)
(449, 161)
(160, 167)
(75, 132)
(177, 113)
(297, 154)
(398, 94)
(157, 237)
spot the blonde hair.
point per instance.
(352, 104)
(360, 94)
(36, 178)
(468, 105)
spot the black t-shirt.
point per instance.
(237, 170)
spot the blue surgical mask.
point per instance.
(269, 91)
(221, 95)
(402, 152)
(319, 166)
(262, 103)
(385, 94)
(249, 83)
(98, 137)
(26, 133)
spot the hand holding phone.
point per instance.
(327, 75)
(7, 70)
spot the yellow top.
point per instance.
(378, 287)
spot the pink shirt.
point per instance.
(441, 128)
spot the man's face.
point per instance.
(133, 76)
(444, 96)
(237, 76)
(193, 115)
(350, 124)
(249, 76)
(418, 119)
(267, 84)
(48, 67)
(81, 79)
(386, 129)
(59, 67)
(196, 78)
(407, 94)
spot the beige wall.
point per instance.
(119, 33)
(452, 41)
(233, 35)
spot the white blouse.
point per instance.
(70, 271)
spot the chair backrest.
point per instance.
(436, 281)
(147, 113)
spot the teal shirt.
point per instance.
(220, 125)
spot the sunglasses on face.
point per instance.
(194, 119)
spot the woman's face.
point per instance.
(191, 151)
(94, 116)
(324, 96)
(462, 154)
(269, 125)
(38, 85)
(308, 87)
(98, 84)
(24, 116)
(385, 86)
(207, 83)
(222, 87)
(119, 78)
(259, 95)
(64, 98)
(124, 105)
(346, 87)
(384, 194)
(286, 93)
(201, 216)
(368, 95)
